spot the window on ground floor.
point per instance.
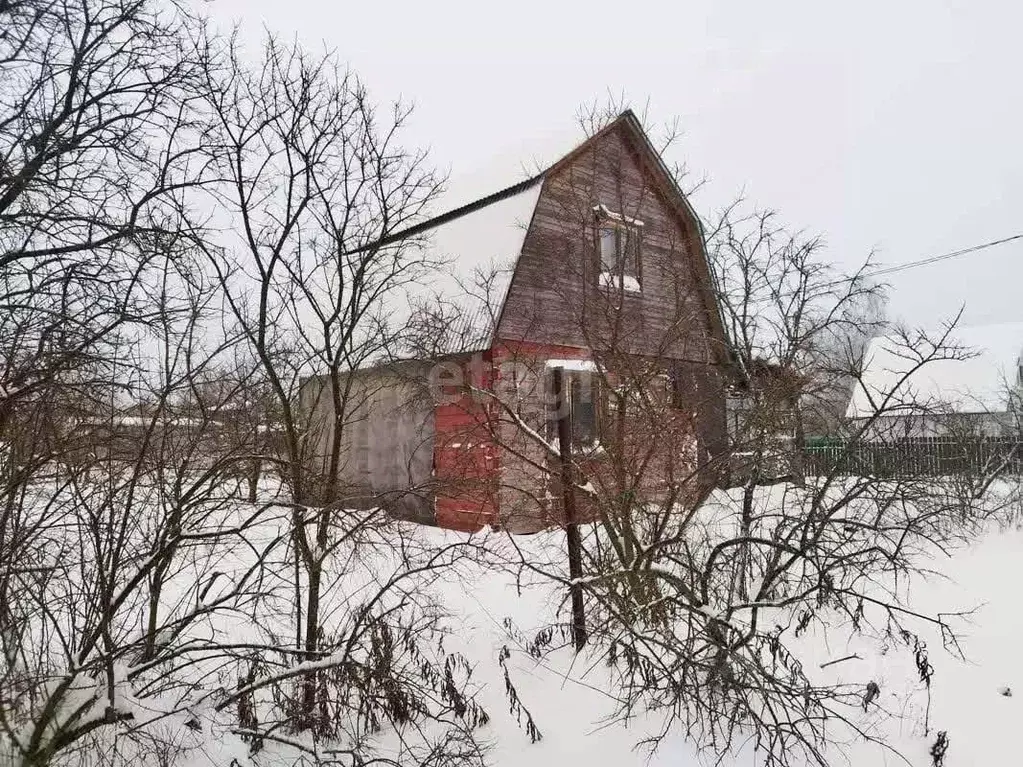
(582, 402)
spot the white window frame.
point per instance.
(584, 374)
(609, 220)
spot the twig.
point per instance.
(854, 656)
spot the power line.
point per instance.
(942, 257)
(912, 264)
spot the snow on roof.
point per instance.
(976, 385)
(459, 306)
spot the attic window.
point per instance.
(618, 247)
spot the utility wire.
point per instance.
(911, 264)
(942, 257)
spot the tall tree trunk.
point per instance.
(798, 445)
(310, 698)
(312, 626)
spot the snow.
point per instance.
(146, 420)
(571, 698)
(577, 365)
(615, 281)
(605, 212)
(966, 698)
(527, 157)
(479, 251)
(480, 248)
(491, 606)
(980, 721)
(979, 384)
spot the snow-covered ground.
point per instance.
(570, 699)
(494, 611)
(978, 700)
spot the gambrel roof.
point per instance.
(479, 245)
(479, 237)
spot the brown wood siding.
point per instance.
(554, 297)
(470, 465)
(525, 487)
(659, 443)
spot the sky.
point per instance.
(892, 128)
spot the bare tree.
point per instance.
(695, 597)
(92, 96)
(313, 181)
(101, 532)
(151, 186)
(196, 254)
(94, 105)
(798, 327)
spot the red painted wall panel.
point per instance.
(467, 460)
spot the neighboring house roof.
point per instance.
(980, 384)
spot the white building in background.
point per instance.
(979, 395)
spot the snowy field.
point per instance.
(490, 610)
(570, 698)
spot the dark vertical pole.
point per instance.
(799, 438)
(568, 497)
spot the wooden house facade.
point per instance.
(594, 265)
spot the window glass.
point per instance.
(618, 243)
(584, 410)
(629, 250)
(608, 249)
(581, 392)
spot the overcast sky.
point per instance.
(895, 126)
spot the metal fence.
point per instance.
(916, 457)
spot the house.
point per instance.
(592, 264)
(976, 395)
